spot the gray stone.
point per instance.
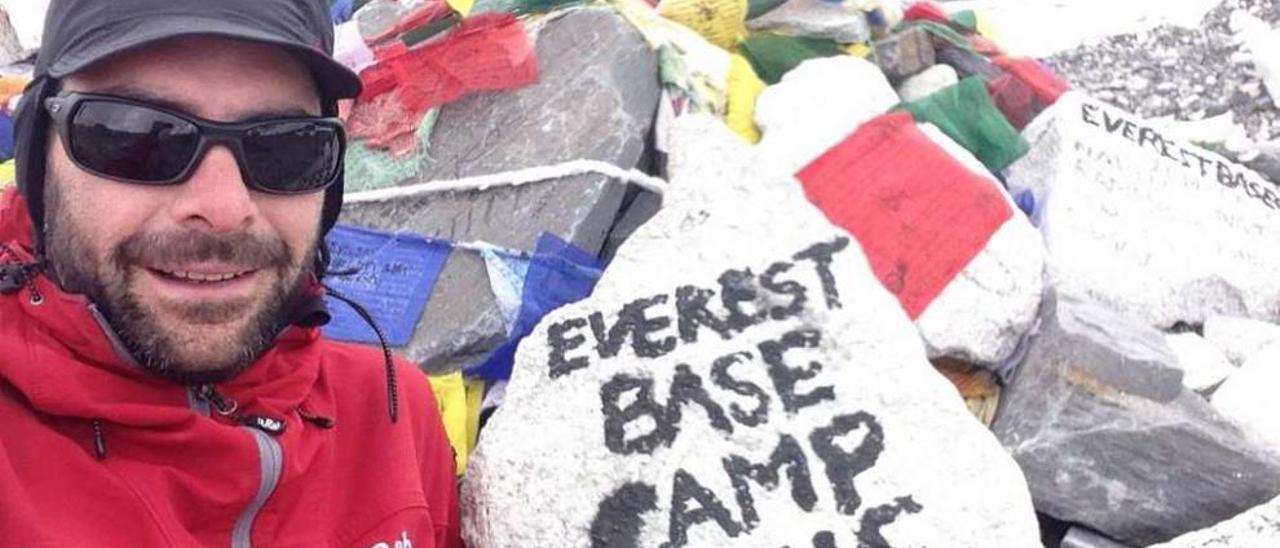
(1079, 537)
(683, 435)
(815, 18)
(968, 63)
(904, 54)
(1109, 438)
(1257, 528)
(595, 100)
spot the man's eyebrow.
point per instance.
(141, 94)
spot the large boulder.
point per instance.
(738, 378)
(1108, 437)
(595, 100)
(1158, 229)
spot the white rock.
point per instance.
(815, 18)
(1249, 396)
(1203, 364)
(932, 80)
(982, 315)
(1263, 44)
(1157, 229)
(1257, 528)
(817, 105)
(562, 464)
(1240, 338)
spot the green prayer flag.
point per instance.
(773, 55)
(966, 18)
(966, 113)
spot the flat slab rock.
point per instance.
(736, 380)
(595, 100)
(1257, 528)
(1184, 232)
(1109, 438)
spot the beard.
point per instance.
(201, 341)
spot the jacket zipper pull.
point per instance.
(221, 404)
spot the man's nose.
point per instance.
(214, 198)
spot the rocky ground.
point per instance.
(1186, 74)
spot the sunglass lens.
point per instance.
(132, 142)
(292, 157)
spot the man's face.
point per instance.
(193, 277)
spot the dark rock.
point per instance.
(1108, 437)
(904, 54)
(595, 99)
(968, 63)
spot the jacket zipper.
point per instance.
(270, 454)
(271, 461)
(203, 400)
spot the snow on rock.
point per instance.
(1203, 364)
(1240, 338)
(816, 105)
(926, 83)
(1248, 397)
(738, 378)
(1257, 528)
(1155, 228)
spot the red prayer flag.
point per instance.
(1046, 83)
(927, 11)
(919, 214)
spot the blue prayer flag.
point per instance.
(390, 274)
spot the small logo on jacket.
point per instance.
(403, 542)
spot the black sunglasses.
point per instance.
(136, 142)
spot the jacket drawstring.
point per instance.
(393, 397)
(99, 440)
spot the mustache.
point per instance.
(193, 246)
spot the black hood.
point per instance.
(79, 33)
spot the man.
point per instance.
(162, 378)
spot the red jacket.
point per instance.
(96, 452)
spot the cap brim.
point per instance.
(334, 80)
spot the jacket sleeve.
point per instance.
(439, 479)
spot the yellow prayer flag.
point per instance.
(721, 22)
(858, 49)
(463, 7)
(451, 398)
(7, 174)
(744, 88)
